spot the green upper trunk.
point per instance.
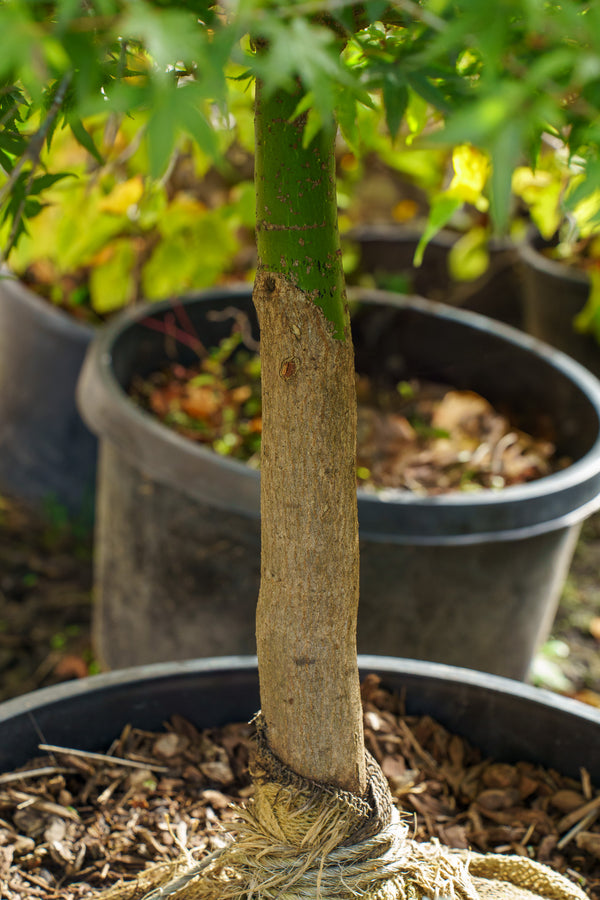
(296, 212)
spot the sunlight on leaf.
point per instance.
(588, 320)
(540, 190)
(469, 256)
(124, 195)
(471, 172)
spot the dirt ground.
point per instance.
(46, 601)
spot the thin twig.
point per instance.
(580, 826)
(579, 813)
(184, 320)
(103, 757)
(35, 773)
(177, 333)
(242, 321)
(43, 805)
(36, 142)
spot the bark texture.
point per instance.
(307, 611)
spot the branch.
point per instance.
(36, 143)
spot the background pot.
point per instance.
(46, 451)
(470, 579)
(554, 293)
(388, 250)
(506, 720)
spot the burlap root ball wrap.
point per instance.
(299, 840)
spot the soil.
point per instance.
(418, 436)
(71, 822)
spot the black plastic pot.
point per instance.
(388, 250)
(554, 293)
(470, 579)
(46, 451)
(507, 720)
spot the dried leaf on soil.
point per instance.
(420, 436)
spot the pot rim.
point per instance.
(99, 389)
(396, 233)
(531, 254)
(367, 663)
(54, 317)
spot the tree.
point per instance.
(496, 78)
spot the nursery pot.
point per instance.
(46, 451)
(386, 252)
(509, 721)
(470, 579)
(553, 295)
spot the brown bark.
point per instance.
(306, 617)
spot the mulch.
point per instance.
(85, 822)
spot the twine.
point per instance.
(300, 840)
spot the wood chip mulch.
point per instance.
(73, 822)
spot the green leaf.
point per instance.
(312, 126)
(425, 88)
(442, 210)
(479, 120)
(6, 162)
(586, 187)
(176, 109)
(83, 137)
(505, 152)
(395, 100)
(160, 137)
(301, 50)
(188, 108)
(170, 35)
(587, 320)
(13, 143)
(43, 182)
(417, 113)
(374, 9)
(346, 114)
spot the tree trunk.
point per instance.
(307, 610)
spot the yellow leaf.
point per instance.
(541, 191)
(471, 171)
(469, 257)
(586, 214)
(123, 196)
(588, 319)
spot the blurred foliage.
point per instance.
(109, 234)
(565, 209)
(146, 87)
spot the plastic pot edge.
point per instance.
(109, 412)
